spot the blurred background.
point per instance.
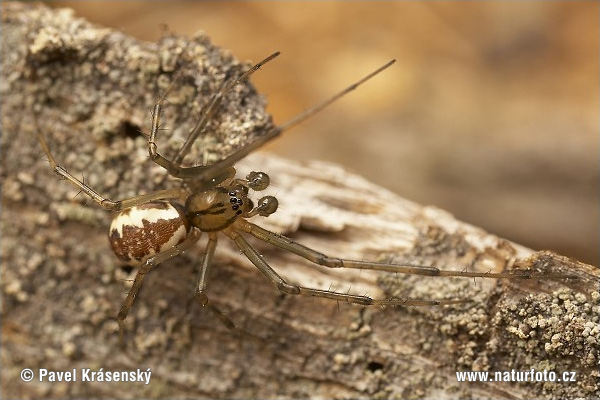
(492, 111)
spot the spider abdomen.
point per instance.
(141, 232)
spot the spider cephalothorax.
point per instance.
(153, 227)
(215, 209)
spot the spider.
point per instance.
(151, 228)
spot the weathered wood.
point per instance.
(91, 89)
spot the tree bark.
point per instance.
(90, 89)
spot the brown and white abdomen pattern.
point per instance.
(141, 232)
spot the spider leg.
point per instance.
(207, 112)
(215, 172)
(284, 287)
(97, 197)
(146, 267)
(200, 293)
(316, 257)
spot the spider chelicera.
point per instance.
(154, 227)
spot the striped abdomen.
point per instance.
(141, 232)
